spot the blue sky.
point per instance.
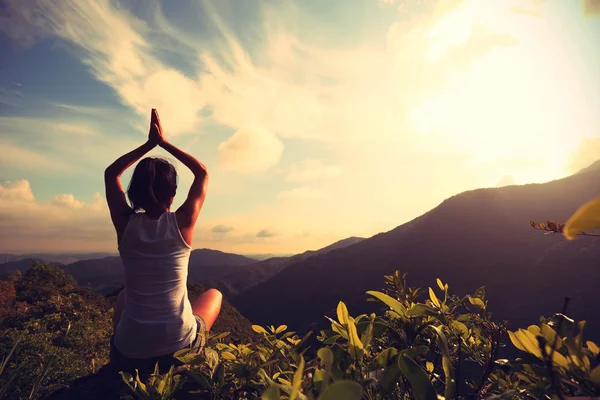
(317, 120)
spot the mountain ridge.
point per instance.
(475, 238)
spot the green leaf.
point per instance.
(477, 302)
(595, 375)
(515, 341)
(434, 298)
(355, 346)
(585, 218)
(429, 366)
(462, 328)
(390, 302)
(326, 357)
(272, 393)
(181, 353)
(140, 384)
(212, 358)
(297, 382)
(219, 336)
(414, 352)
(420, 310)
(440, 284)
(259, 329)
(446, 363)
(228, 356)
(593, 348)
(367, 335)
(385, 356)
(281, 328)
(346, 390)
(418, 378)
(390, 377)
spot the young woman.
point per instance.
(153, 316)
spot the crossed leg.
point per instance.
(207, 305)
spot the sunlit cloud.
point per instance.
(311, 169)
(250, 150)
(291, 116)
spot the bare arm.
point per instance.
(115, 195)
(195, 199)
(188, 212)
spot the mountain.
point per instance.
(105, 274)
(20, 265)
(480, 237)
(242, 279)
(62, 258)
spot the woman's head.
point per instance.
(153, 185)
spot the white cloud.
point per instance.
(250, 150)
(29, 225)
(118, 54)
(67, 200)
(310, 169)
(301, 193)
(16, 191)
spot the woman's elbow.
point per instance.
(201, 172)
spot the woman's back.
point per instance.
(158, 317)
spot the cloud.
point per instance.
(222, 229)
(310, 169)
(60, 224)
(113, 46)
(250, 150)
(67, 201)
(587, 154)
(266, 233)
(591, 7)
(16, 191)
(301, 193)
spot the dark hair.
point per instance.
(153, 185)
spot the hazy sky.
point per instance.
(318, 120)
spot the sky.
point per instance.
(317, 120)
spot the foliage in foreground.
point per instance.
(53, 331)
(427, 344)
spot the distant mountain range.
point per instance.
(239, 280)
(105, 274)
(62, 258)
(232, 273)
(477, 238)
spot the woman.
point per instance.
(153, 316)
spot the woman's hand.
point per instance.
(155, 136)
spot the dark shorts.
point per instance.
(165, 361)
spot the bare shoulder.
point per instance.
(185, 225)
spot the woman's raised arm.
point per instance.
(115, 196)
(188, 212)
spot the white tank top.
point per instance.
(157, 318)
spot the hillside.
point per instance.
(239, 280)
(480, 237)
